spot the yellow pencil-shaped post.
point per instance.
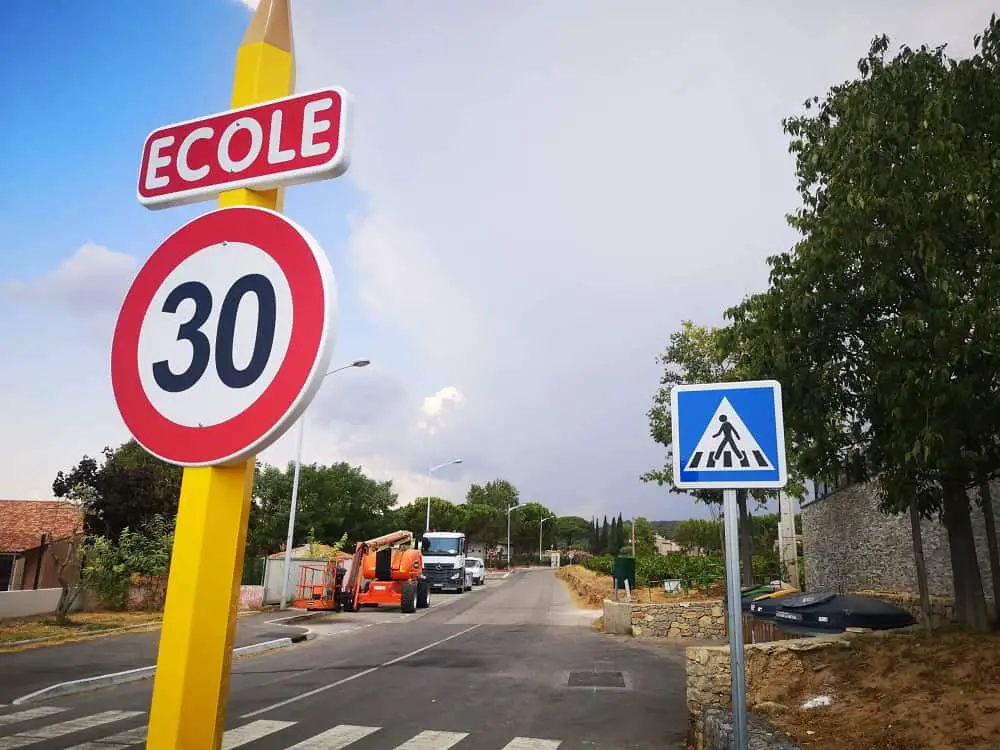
(199, 621)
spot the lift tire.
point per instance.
(423, 595)
(408, 601)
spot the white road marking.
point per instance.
(231, 739)
(28, 714)
(352, 677)
(430, 740)
(530, 743)
(123, 739)
(337, 738)
(54, 731)
(252, 731)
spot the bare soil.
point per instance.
(903, 692)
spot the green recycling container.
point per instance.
(624, 569)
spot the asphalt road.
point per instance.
(509, 666)
(40, 667)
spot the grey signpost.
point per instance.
(730, 436)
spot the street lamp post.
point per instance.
(510, 508)
(295, 489)
(431, 471)
(541, 525)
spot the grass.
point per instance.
(81, 626)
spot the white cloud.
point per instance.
(549, 191)
(92, 281)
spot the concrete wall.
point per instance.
(848, 545)
(29, 602)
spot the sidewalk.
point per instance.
(38, 668)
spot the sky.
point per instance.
(539, 193)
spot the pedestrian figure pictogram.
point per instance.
(727, 444)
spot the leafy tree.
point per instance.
(700, 534)
(497, 493)
(445, 515)
(881, 323)
(572, 530)
(130, 486)
(66, 553)
(525, 525)
(645, 537)
(482, 523)
(333, 500)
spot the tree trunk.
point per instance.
(918, 559)
(986, 497)
(746, 538)
(970, 604)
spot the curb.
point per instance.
(132, 675)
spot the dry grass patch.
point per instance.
(82, 626)
(590, 589)
(907, 691)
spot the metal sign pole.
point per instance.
(737, 666)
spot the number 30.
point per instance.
(201, 347)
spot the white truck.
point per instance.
(444, 561)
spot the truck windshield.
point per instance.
(441, 546)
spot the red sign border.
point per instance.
(313, 289)
(335, 166)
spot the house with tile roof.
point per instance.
(30, 532)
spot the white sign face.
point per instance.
(224, 337)
(215, 334)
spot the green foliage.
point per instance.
(333, 501)
(110, 564)
(881, 322)
(573, 531)
(499, 494)
(130, 487)
(699, 534)
(645, 538)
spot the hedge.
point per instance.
(691, 570)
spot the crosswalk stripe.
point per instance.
(123, 739)
(28, 714)
(252, 731)
(531, 743)
(431, 740)
(54, 731)
(337, 738)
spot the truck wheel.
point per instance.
(423, 595)
(408, 601)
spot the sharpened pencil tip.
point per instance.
(272, 24)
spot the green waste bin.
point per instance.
(624, 569)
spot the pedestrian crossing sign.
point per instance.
(728, 435)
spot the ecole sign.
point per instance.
(285, 141)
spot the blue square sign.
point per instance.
(728, 435)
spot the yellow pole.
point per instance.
(191, 687)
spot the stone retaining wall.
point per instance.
(689, 620)
(849, 545)
(709, 685)
(718, 733)
(703, 620)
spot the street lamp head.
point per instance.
(361, 363)
(457, 461)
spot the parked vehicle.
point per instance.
(444, 561)
(478, 569)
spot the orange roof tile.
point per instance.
(22, 523)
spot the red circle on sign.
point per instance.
(310, 280)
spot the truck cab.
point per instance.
(444, 561)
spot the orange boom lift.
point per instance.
(386, 570)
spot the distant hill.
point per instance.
(665, 528)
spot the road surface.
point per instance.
(512, 665)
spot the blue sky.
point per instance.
(522, 227)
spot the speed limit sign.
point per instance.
(224, 337)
